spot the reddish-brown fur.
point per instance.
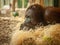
(38, 14)
(52, 15)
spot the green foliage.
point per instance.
(19, 3)
(25, 3)
(15, 14)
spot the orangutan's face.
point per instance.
(30, 18)
(33, 15)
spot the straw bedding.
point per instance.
(48, 35)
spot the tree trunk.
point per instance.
(13, 5)
(42, 2)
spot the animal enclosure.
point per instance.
(13, 14)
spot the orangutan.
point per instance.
(52, 15)
(38, 15)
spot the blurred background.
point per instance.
(19, 5)
(24, 3)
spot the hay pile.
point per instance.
(49, 35)
(7, 26)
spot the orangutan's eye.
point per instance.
(27, 16)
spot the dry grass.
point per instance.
(49, 35)
(8, 24)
